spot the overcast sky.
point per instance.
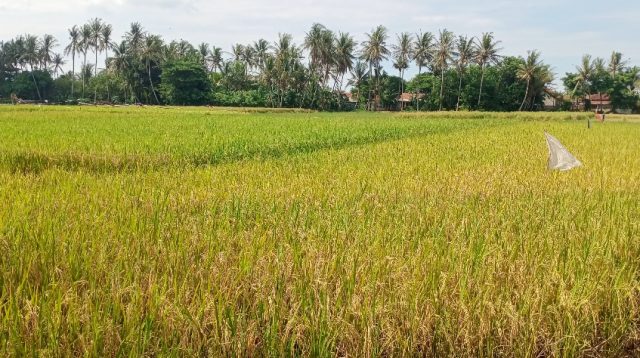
(561, 30)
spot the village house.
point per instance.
(407, 99)
(600, 101)
(593, 102)
(552, 100)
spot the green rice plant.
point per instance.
(205, 232)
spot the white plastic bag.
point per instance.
(559, 156)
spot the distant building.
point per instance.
(352, 98)
(600, 101)
(406, 99)
(552, 101)
(593, 102)
(348, 101)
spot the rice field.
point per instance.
(213, 232)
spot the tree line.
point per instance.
(329, 70)
(614, 78)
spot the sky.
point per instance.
(562, 30)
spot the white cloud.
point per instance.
(40, 6)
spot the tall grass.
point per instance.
(430, 237)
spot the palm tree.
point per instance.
(203, 51)
(616, 63)
(543, 77)
(444, 54)
(374, 51)
(319, 41)
(151, 52)
(599, 65)
(423, 55)
(19, 52)
(328, 53)
(179, 50)
(358, 74)
(465, 54)
(85, 43)
(87, 71)
(96, 34)
(238, 51)
(344, 56)
(57, 61)
(120, 64)
(486, 53)
(10, 53)
(135, 36)
(248, 56)
(268, 78)
(283, 46)
(47, 44)
(584, 74)
(72, 49)
(403, 53)
(31, 55)
(31, 52)
(286, 62)
(106, 43)
(527, 71)
(313, 43)
(261, 50)
(215, 58)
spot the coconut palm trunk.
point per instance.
(417, 91)
(377, 95)
(441, 87)
(151, 83)
(36, 84)
(370, 89)
(95, 73)
(339, 84)
(459, 92)
(481, 84)
(400, 88)
(106, 58)
(526, 95)
(84, 65)
(73, 74)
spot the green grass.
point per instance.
(188, 232)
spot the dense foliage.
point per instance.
(185, 82)
(615, 78)
(453, 72)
